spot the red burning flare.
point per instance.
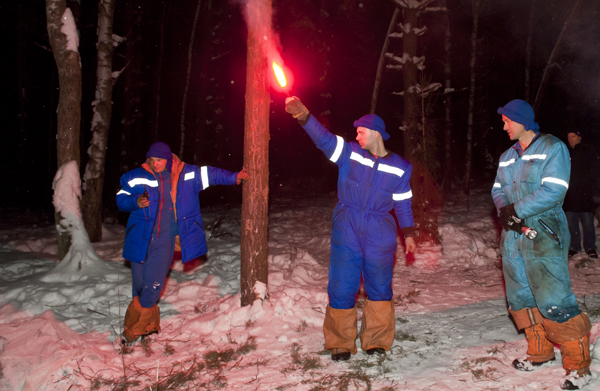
(280, 75)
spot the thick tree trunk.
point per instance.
(69, 102)
(187, 78)
(94, 170)
(381, 63)
(469, 157)
(410, 79)
(254, 247)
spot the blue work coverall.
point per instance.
(536, 271)
(363, 237)
(148, 240)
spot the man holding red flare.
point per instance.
(372, 182)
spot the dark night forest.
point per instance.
(248, 309)
(332, 49)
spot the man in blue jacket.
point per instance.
(530, 186)
(162, 197)
(372, 181)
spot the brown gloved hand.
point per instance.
(295, 108)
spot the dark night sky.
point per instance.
(346, 44)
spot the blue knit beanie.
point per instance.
(159, 150)
(373, 122)
(518, 110)
(162, 151)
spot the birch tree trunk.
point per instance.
(94, 171)
(381, 63)
(469, 155)
(67, 60)
(187, 77)
(254, 246)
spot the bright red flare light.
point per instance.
(280, 75)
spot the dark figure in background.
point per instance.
(531, 183)
(162, 197)
(579, 203)
(372, 181)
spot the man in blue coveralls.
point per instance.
(162, 197)
(530, 186)
(372, 182)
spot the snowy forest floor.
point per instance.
(453, 331)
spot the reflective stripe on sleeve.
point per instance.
(390, 169)
(497, 184)
(402, 196)
(189, 175)
(204, 175)
(143, 181)
(364, 161)
(123, 192)
(338, 149)
(555, 180)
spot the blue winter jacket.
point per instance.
(367, 185)
(186, 182)
(535, 181)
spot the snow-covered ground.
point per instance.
(453, 328)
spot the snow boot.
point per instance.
(575, 381)
(540, 349)
(378, 326)
(140, 321)
(340, 354)
(575, 349)
(340, 332)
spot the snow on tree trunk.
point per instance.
(64, 41)
(102, 106)
(469, 157)
(187, 78)
(81, 259)
(254, 246)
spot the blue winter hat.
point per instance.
(373, 122)
(520, 111)
(159, 150)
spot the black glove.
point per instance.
(295, 108)
(509, 219)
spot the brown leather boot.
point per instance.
(378, 326)
(540, 349)
(339, 329)
(140, 321)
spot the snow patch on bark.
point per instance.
(81, 259)
(70, 30)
